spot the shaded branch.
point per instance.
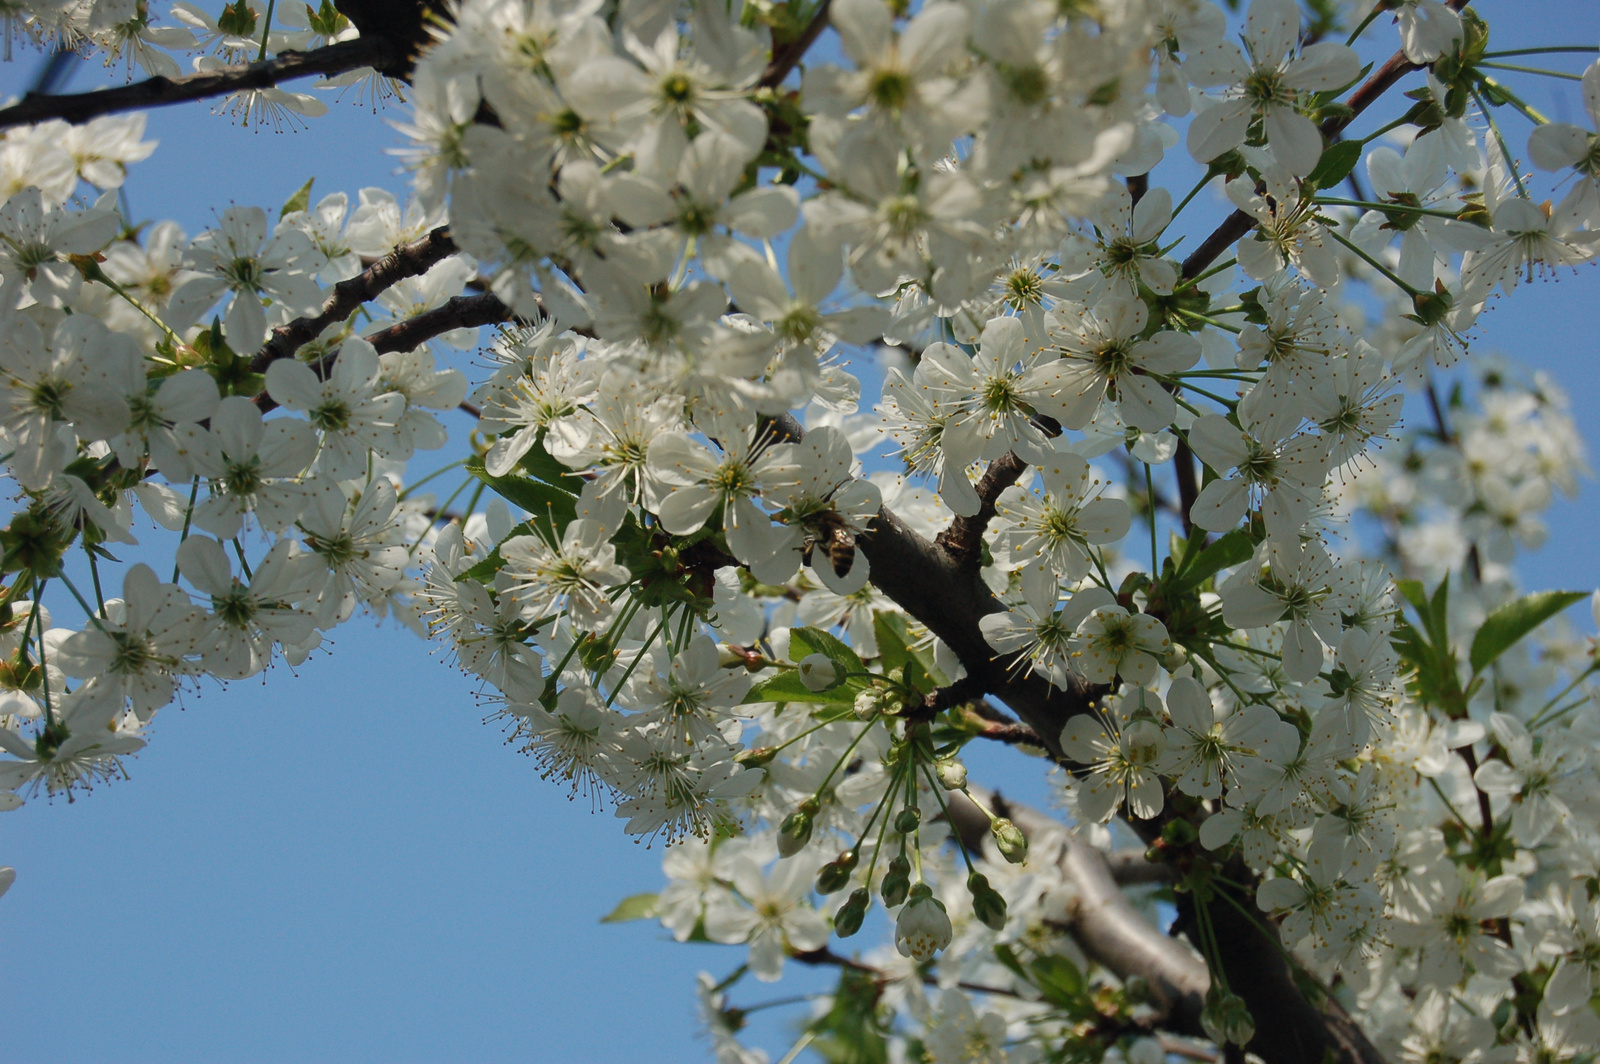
(462, 312)
(786, 56)
(963, 540)
(408, 260)
(77, 107)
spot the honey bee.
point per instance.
(837, 541)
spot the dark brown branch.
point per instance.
(963, 540)
(950, 598)
(401, 24)
(76, 107)
(1239, 223)
(786, 56)
(462, 312)
(1188, 490)
(1011, 735)
(409, 260)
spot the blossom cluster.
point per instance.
(1164, 508)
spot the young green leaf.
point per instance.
(635, 907)
(1505, 626)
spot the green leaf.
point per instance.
(895, 650)
(805, 641)
(548, 504)
(1335, 164)
(788, 687)
(1059, 980)
(541, 466)
(637, 907)
(1505, 626)
(299, 201)
(1235, 548)
(1008, 957)
(1414, 593)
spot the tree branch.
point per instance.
(785, 57)
(408, 260)
(462, 312)
(963, 540)
(1239, 223)
(78, 107)
(1105, 923)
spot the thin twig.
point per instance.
(78, 107)
(408, 260)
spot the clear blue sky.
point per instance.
(345, 864)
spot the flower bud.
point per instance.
(987, 904)
(896, 882)
(1226, 1018)
(794, 833)
(818, 672)
(923, 927)
(952, 774)
(760, 757)
(1012, 842)
(1178, 832)
(906, 821)
(869, 704)
(835, 875)
(847, 921)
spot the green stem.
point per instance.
(1505, 151)
(1562, 74)
(616, 688)
(1377, 9)
(1581, 49)
(1401, 208)
(188, 516)
(1517, 102)
(1193, 192)
(1226, 264)
(1374, 263)
(265, 30)
(88, 609)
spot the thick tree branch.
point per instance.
(950, 598)
(963, 540)
(76, 107)
(409, 260)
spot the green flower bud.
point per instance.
(990, 909)
(794, 833)
(952, 774)
(1178, 833)
(907, 820)
(835, 875)
(847, 921)
(760, 757)
(897, 882)
(1226, 1018)
(1012, 842)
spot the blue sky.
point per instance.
(345, 863)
